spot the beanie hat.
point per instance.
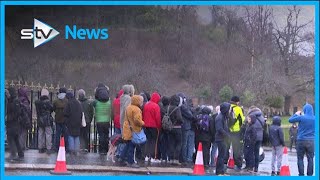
(44, 92)
(69, 95)
(235, 99)
(81, 92)
(63, 90)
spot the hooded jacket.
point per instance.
(86, 107)
(206, 136)
(259, 123)
(133, 114)
(276, 133)
(221, 123)
(306, 127)
(175, 111)
(73, 116)
(188, 118)
(164, 105)
(13, 111)
(116, 110)
(151, 112)
(250, 135)
(44, 107)
(58, 107)
(125, 100)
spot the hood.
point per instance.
(175, 100)
(145, 99)
(224, 108)
(101, 85)
(44, 92)
(128, 89)
(61, 95)
(23, 94)
(120, 93)
(155, 97)
(253, 118)
(12, 92)
(276, 120)
(147, 95)
(183, 96)
(308, 110)
(256, 111)
(63, 90)
(206, 110)
(136, 100)
(69, 95)
(165, 100)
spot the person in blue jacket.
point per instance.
(305, 137)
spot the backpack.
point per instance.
(203, 122)
(25, 117)
(166, 122)
(102, 94)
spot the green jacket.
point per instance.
(102, 111)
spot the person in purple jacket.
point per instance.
(305, 137)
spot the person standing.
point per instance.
(152, 123)
(214, 146)
(12, 126)
(125, 100)
(250, 136)
(73, 118)
(293, 135)
(235, 124)
(61, 128)
(259, 126)
(116, 112)
(88, 113)
(25, 116)
(132, 123)
(305, 137)
(277, 142)
(102, 106)
(221, 137)
(45, 122)
(164, 133)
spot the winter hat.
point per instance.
(44, 92)
(63, 90)
(81, 92)
(69, 95)
(235, 99)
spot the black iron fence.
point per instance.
(34, 94)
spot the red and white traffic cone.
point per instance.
(199, 167)
(231, 160)
(61, 166)
(285, 170)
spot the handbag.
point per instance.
(138, 138)
(83, 123)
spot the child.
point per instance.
(277, 143)
(249, 142)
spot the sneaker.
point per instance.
(146, 159)
(134, 165)
(273, 173)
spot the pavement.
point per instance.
(93, 162)
(96, 163)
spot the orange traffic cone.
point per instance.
(199, 167)
(231, 160)
(61, 166)
(285, 170)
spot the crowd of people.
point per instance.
(172, 125)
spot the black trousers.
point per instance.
(236, 148)
(175, 143)
(85, 137)
(221, 156)
(151, 147)
(14, 143)
(103, 131)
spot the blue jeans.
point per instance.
(74, 143)
(222, 148)
(214, 148)
(187, 145)
(128, 152)
(305, 147)
(61, 129)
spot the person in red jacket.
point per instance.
(152, 122)
(116, 113)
